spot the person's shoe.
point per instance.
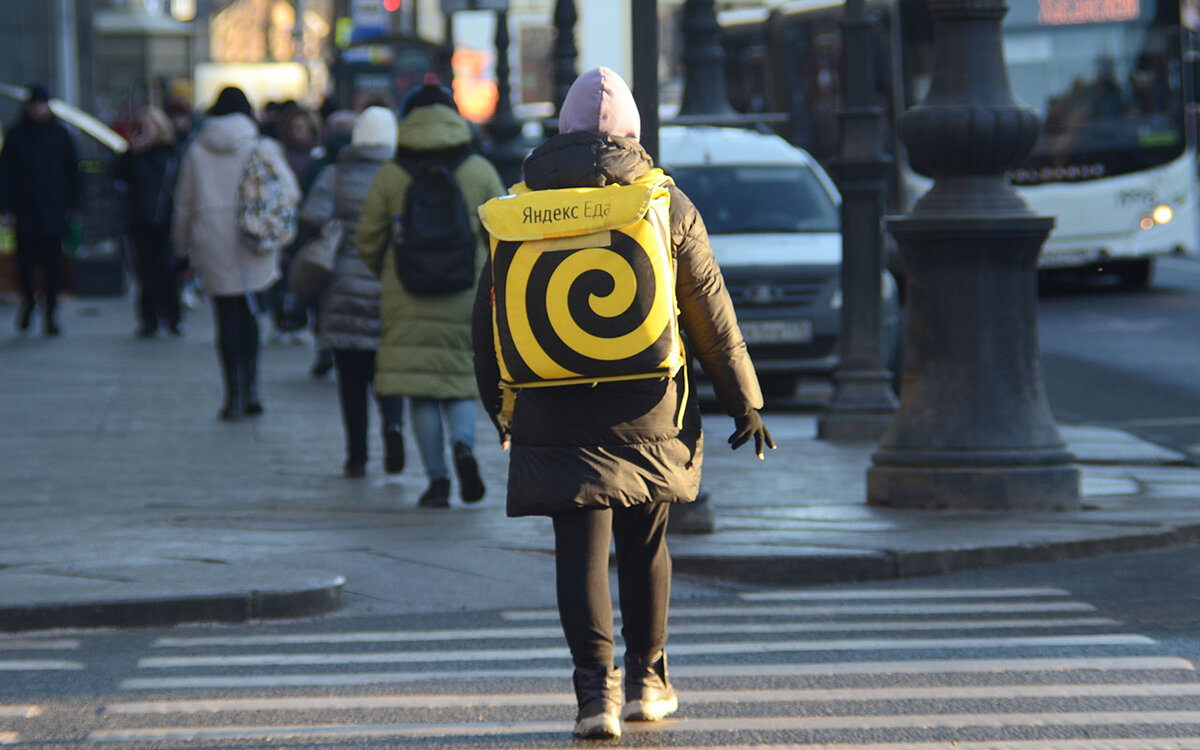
(648, 694)
(25, 317)
(393, 450)
(233, 410)
(147, 332)
(251, 404)
(51, 328)
(437, 495)
(470, 485)
(354, 469)
(598, 693)
(322, 365)
(175, 329)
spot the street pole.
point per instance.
(863, 402)
(644, 22)
(704, 91)
(973, 429)
(565, 55)
(505, 129)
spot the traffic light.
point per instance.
(391, 6)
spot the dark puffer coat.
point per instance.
(618, 444)
(349, 306)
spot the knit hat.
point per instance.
(230, 100)
(38, 93)
(376, 126)
(600, 102)
(430, 92)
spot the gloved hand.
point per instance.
(751, 425)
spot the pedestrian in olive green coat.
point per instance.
(425, 352)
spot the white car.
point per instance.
(773, 218)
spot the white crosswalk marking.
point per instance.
(994, 669)
(19, 711)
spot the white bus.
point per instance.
(1112, 80)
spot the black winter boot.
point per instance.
(393, 449)
(437, 495)
(470, 484)
(598, 693)
(249, 382)
(648, 694)
(235, 404)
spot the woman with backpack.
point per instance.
(425, 351)
(205, 228)
(348, 323)
(605, 460)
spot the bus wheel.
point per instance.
(1135, 274)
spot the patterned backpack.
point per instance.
(266, 203)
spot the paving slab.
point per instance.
(125, 502)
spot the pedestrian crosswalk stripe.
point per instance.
(684, 649)
(37, 665)
(1132, 743)
(850, 594)
(834, 610)
(19, 711)
(24, 644)
(480, 634)
(690, 697)
(682, 671)
(758, 724)
(9, 738)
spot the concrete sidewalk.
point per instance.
(126, 502)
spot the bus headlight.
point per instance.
(1162, 214)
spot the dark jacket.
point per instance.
(618, 444)
(349, 306)
(39, 177)
(149, 179)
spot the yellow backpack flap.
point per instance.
(584, 284)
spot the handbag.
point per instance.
(312, 269)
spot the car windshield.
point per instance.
(758, 199)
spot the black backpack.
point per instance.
(435, 247)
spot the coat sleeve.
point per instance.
(487, 370)
(318, 205)
(181, 215)
(706, 312)
(374, 224)
(72, 180)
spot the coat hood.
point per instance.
(227, 133)
(433, 128)
(600, 102)
(585, 160)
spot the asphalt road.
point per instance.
(1091, 653)
(1127, 359)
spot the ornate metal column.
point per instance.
(565, 51)
(863, 402)
(704, 90)
(506, 152)
(973, 429)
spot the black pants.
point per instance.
(158, 290)
(34, 251)
(355, 371)
(581, 544)
(237, 343)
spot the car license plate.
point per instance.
(777, 331)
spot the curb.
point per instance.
(821, 567)
(231, 607)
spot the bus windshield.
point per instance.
(1104, 77)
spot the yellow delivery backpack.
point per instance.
(584, 284)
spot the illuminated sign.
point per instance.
(1067, 12)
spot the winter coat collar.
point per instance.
(227, 133)
(585, 160)
(375, 154)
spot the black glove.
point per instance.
(751, 425)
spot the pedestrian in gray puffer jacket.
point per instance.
(349, 307)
